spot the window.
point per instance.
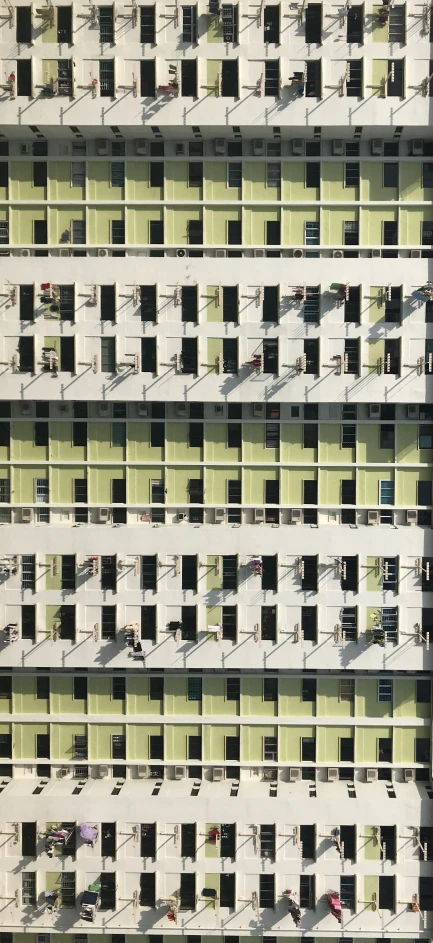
(395, 83)
(118, 747)
(423, 691)
(195, 174)
(270, 689)
(40, 169)
(351, 233)
(355, 24)
(272, 77)
(354, 83)
(195, 232)
(190, 303)
(390, 233)
(229, 624)
(422, 750)
(43, 687)
(118, 688)
(351, 175)
(79, 232)
(5, 491)
(272, 435)
(80, 688)
(348, 437)
(230, 304)
(312, 174)
(189, 24)
(347, 891)
(230, 572)
(390, 175)
(233, 689)
(313, 23)
(309, 686)
(387, 437)
(229, 78)
(273, 175)
(4, 232)
(425, 438)
(195, 686)
(266, 888)
(195, 435)
(386, 493)
(106, 78)
(308, 749)
(189, 572)
(233, 747)
(117, 169)
(23, 27)
(347, 690)
(117, 232)
(310, 435)
(118, 434)
(234, 175)
(78, 170)
(106, 24)
(147, 24)
(156, 689)
(384, 690)
(270, 748)
(312, 234)
(234, 435)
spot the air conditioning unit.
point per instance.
(64, 770)
(373, 517)
(180, 149)
(219, 409)
(219, 147)
(217, 774)
(24, 149)
(181, 253)
(298, 253)
(103, 515)
(26, 409)
(409, 775)
(269, 774)
(220, 253)
(182, 516)
(295, 774)
(259, 253)
(27, 515)
(142, 772)
(332, 774)
(102, 148)
(25, 253)
(180, 772)
(417, 147)
(337, 254)
(338, 148)
(412, 411)
(297, 147)
(377, 147)
(102, 771)
(259, 515)
(296, 515)
(104, 408)
(64, 253)
(258, 410)
(415, 253)
(220, 515)
(143, 409)
(375, 253)
(412, 517)
(141, 147)
(180, 409)
(258, 147)
(374, 411)
(64, 409)
(371, 775)
(102, 253)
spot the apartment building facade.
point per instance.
(216, 454)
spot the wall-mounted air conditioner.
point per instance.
(141, 147)
(374, 410)
(371, 775)
(259, 515)
(220, 515)
(180, 772)
(412, 517)
(295, 774)
(27, 515)
(373, 517)
(296, 515)
(217, 774)
(258, 147)
(103, 515)
(102, 148)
